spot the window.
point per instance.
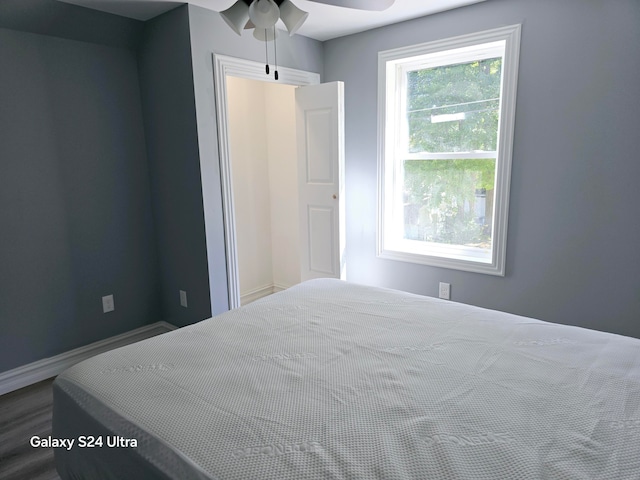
(446, 120)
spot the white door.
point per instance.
(320, 131)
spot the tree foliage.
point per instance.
(472, 89)
(450, 201)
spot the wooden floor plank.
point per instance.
(23, 414)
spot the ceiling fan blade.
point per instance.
(377, 5)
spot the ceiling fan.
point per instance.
(264, 14)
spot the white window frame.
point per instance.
(391, 66)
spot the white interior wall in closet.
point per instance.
(262, 135)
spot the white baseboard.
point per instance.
(278, 287)
(257, 293)
(50, 367)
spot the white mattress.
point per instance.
(330, 380)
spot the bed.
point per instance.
(333, 380)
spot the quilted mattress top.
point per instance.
(331, 380)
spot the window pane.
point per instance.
(449, 201)
(454, 108)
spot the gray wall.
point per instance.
(84, 213)
(78, 196)
(75, 210)
(209, 34)
(166, 85)
(574, 229)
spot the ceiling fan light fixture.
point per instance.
(265, 34)
(292, 16)
(236, 16)
(264, 13)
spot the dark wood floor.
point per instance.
(23, 414)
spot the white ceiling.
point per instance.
(324, 22)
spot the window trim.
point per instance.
(511, 36)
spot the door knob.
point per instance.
(335, 196)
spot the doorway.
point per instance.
(263, 153)
(224, 68)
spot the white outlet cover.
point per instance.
(444, 291)
(183, 298)
(108, 304)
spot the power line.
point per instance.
(454, 105)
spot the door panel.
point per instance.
(320, 129)
(321, 227)
(319, 124)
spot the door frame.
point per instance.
(224, 66)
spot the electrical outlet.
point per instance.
(107, 304)
(183, 298)
(444, 291)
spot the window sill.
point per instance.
(454, 262)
